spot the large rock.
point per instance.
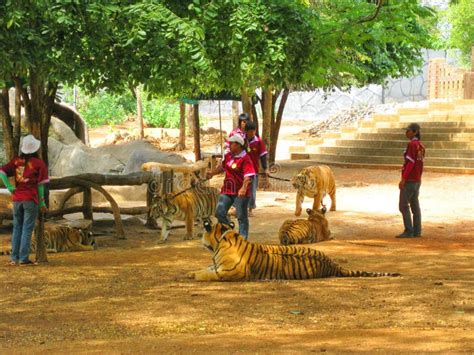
(62, 132)
(139, 157)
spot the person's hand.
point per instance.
(11, 189)
(43, 209)
(242, 192)
(401, 184)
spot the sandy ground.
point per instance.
(132, 296)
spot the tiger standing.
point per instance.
(198, 203)
(235, 259)
(58, 239)
(314, 181)
(305, 231)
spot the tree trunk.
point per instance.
(182, 126)
(276, 126)
(196, 129)
(246, 102)
(141, 131)
(267, 97)
(17, 122)
(6, 123)
(235, 114)
(190, 118)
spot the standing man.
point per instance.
(258, 153)
(239, 171)
(411, 182)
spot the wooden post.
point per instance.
(152, 189)
(182, 126)
(41, 255)
(167, 182)
(190, 118)
(141, 131)
(196, 128)
(87, 204)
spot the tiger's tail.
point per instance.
(356, 273)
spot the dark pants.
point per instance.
(24, 218)
(241, 205)
(409, 200)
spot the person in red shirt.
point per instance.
(240, 130)
(239, 171)
(30, 174)
(257, 151)
(410, 183)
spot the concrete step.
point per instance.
(401, 144)
(393, 152)
(384, 160)
(450, 137)
(424, 131)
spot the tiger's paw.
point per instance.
(161, 241)
(298, 212)
(188, 237)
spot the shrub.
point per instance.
(161, 113)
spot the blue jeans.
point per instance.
(253, 198)
(409, 200)
(24, 218)
(241, 205)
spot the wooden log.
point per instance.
(102, 209)
(87, 204)
(138, 178)
(69, 194)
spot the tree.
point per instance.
(98, 44)
(461, 17)
(286, 45)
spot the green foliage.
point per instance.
(103, 109)
(161, 113)
(461, 17)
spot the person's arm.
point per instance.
(42, 202)
(219, 169)
(249, 174)
(263, 157)
(43, 178)
(6, 171)
(410, 164)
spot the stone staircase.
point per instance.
(447, 131)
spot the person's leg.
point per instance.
(18, 214)
(404, 207)
(29, 220)
(223, 205)
(242, 215)
(253, 197)
(415, 209)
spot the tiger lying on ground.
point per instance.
(235, 259)
(305, 231)
(314, 181)
(197, 203)
(58, 239)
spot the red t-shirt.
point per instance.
(27, 177)
(413, 166)
(256, 149)
(236, 168)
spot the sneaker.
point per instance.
(250, 213)
(12, 263)
(405, 235)
(28, 263)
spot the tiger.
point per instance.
(235, 259)
(58, 239)
(197, 203)
(304, 231)
(314, 181)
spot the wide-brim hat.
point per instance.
(237, 139)
(30, 144)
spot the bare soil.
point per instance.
(132, 295)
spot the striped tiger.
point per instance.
(305, 231)
(58, 239)
(198, 203)
(236, 259)
(314, 181)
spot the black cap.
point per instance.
(244, 117)
(413, 127)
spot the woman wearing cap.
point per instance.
(410, 183)
(239, 130)
(239, 171)
(30, 174)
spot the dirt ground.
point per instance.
(132, 296)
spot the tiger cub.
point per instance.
(305, 231)
(314, 181)
(197, 203)
(58, 239)
(236, 259)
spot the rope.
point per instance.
(274, 177)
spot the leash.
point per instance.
(193, 186)
(274, 177)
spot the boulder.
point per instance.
(62, 132)
(140, 157)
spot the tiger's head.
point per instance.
(320, 218)
(303, 180)
(161, 207)
(215, 234)
(87, 238)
